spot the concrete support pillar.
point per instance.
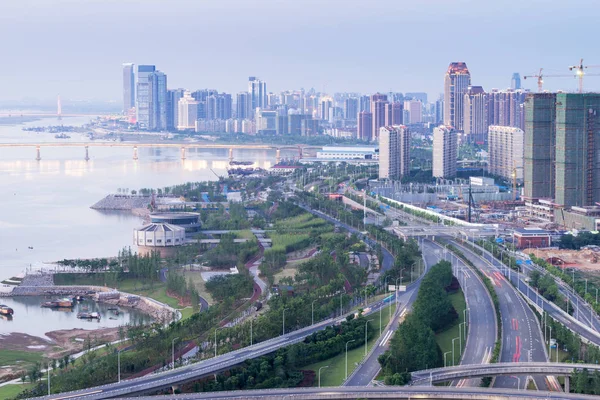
(183, 153)
(300, 153)
(278, 156)
(231, 154)
(38, 156)
(567, 384)
(135, 154)
(87, 154)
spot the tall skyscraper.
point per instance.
(364, 104)
(128, 87)
(242, 105)
(506, 151)
(439, 110)
(365, 126)
(476, 115)
(456, 82)
(394, 152)
(515, 82)
(158, 101)
(173, 97)
(540, 142)
(142, 107)
(445, 152)
(378, 103)
(258, 94)
(188, 112)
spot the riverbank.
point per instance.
(19, 350)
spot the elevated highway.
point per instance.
(385, 392)
(498, 369)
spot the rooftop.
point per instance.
(458, 68)
(160, 227)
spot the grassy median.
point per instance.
(335, 374)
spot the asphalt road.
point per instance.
(481, 318)
(518, 280)
(522, 339)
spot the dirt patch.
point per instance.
(182, 301)
(584, 260)
(72, 340)
(24, 342)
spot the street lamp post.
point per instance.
(327, 366)
(397, 288)
(453, 357)
(446, 354)
(173, 350)
(350, 341)
(251, 319)
(119, 365)
(366, 325)
(460, 337)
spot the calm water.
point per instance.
(45, 204)
(34, 320)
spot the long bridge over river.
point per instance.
(183, 146)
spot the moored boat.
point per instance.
(6, 310)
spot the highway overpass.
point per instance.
(380, 392)
(498, 369)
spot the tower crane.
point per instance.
(540, 78)
(579, 72)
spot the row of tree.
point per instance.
(413, 346)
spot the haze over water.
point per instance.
(46, 204)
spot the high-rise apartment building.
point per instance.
(365, 126)
(506, 151)
(505, 108)
(439, 110)
(378, 103)
(364, 104)
(515, 82)
(476, 115)
(456, 83)
(540, 142)
(142, 100)
(266, 122)
(445, 152)
(394, 114)
(394, 152)
(415, 111)
(128, 87)
(187, 112)
(158, 101)
(258, 95)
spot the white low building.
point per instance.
(160, 237)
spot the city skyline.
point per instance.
(277, 47)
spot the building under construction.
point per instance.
(562, 136)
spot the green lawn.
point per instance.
(12, 357)
(186, 312)
(10, 391)
(444, 338)
(335, 374)
(244, 234)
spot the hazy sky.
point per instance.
(76, 47)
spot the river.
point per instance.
(34, 320)
(46, 204)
